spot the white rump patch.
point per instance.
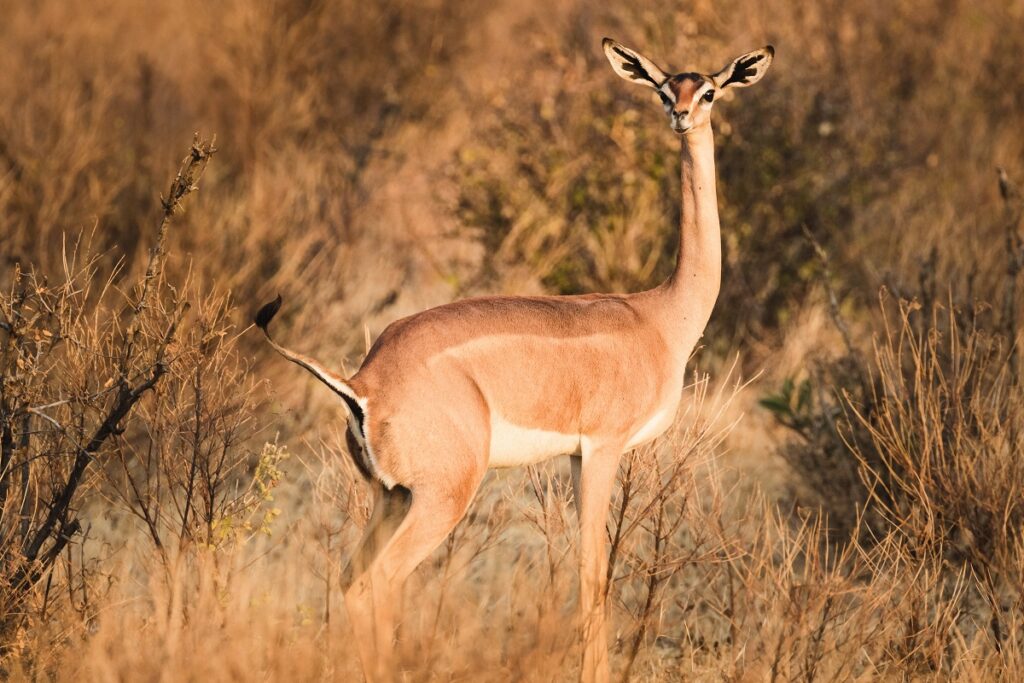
(513, 446)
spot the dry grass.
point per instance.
(852, 513)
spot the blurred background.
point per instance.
(859, 374)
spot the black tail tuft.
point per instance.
(267, 313)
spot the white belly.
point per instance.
(512, 445)
(653, 428)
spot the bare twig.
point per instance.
(833, 300)
(185, 182)
(1013, 209)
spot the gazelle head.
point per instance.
(688, 97)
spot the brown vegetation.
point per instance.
(176, 503)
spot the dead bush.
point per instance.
(77, 358)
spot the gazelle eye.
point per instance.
(664, 99)
(709, 96)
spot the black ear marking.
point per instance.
(634, 67)
(745, 69)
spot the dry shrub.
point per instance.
(75, 364)
(938, 452)
(119, 407)
(911, 454)
(178, 473)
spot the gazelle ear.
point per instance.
(745, 70)
(633, 66)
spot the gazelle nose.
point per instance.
(683, 114)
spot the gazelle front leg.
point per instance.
(599, 466)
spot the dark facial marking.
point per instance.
(744, 70)
(689, 76)
(684, 86)
(634, 67)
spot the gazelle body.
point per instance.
(496, 356)
(503, 381)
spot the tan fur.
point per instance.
(595, 373)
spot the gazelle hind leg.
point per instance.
(389, 509)
(378, 590)
(599, 466)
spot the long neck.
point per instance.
(693, 287)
